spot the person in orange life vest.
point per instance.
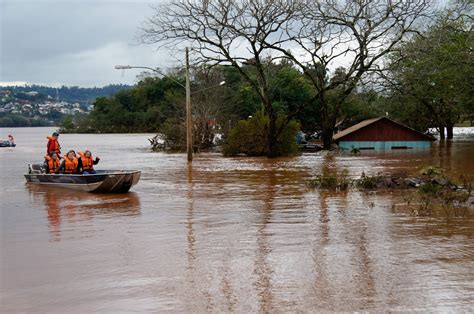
(69, 163)
(86, 162)
(52, 163)
(53, 145)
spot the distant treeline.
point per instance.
(15, 120)
(72, 94)
(158, 104)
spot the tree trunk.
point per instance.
(272, 136)
(449, 129)
(327, 138)
(326, 123)
(442, 135)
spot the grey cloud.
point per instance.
(72, 42)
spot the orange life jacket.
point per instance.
(87, 162)
(53, 164)
(70, 166)
(55, 147)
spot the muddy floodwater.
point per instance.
(227, 235)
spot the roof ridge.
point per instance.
(356, 127)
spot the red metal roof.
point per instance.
(357, 127)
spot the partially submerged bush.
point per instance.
(435, 192)
(341, 181)
(67, 125)
(368, 182)
(431, 171)
(429, 189)
(173, 132)
(449, 198)
(172, 135)
(331, 181)
(249, 137)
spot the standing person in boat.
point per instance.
(11, 140)
(53, 144)
(69, 163)
(87, 162)
(52, 163)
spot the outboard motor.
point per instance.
(35, 169)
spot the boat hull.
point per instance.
(7, 144)
(110, 181)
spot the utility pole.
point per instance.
(189, 119)
(189, 116)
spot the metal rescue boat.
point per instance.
(7, 144)
(104, 181)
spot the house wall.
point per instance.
(384, 145)
(384, 130)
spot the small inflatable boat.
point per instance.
(104, 181)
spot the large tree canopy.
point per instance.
(338, 43)
(432, 74)
(317, 36)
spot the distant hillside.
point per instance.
(72, 94)
(36, 105)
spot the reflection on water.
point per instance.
(189, 220)
(262, 265)
(68, 207)
(229, 235)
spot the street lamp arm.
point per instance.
(204, 89)
(127, 67)
(189, 134)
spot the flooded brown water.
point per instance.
(227, 235)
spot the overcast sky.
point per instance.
(68, 42)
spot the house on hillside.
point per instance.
(381, 134)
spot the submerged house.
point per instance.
(381, 134)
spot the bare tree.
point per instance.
(226, 32)
(339, 43)
(319, 36)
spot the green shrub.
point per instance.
(249, 137)
(331, 181)
(431, 172)
(367, 182)
(429, 188)
(67, 125)
(174, 134)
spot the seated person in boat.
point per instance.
(69, 163)
(87, 162)
(52, 163)
(53, 145)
